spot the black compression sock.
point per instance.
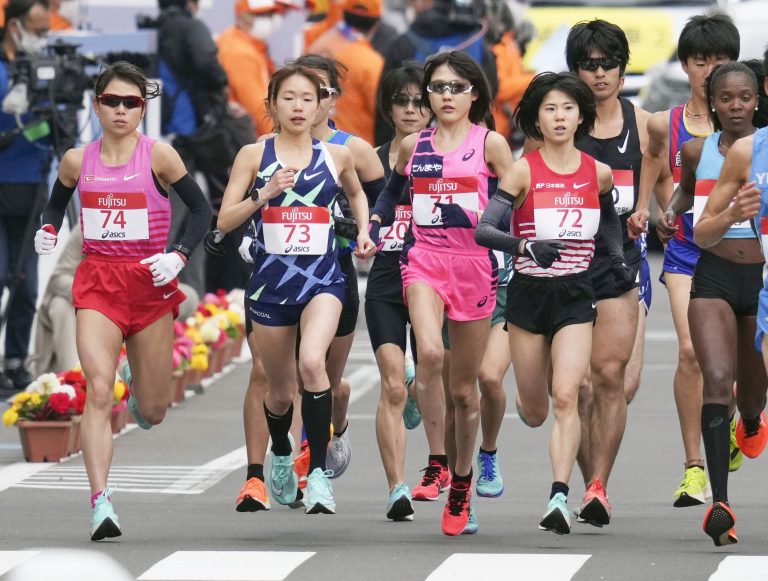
(316, 407)
(441, 459)
(487, 452)
(465, 480)
(559, 487)
(255, 471)
(716, 432)
(279, 426)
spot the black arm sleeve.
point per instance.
(200, 214)
(610, 226)
(389, 197)
(57, 205)
(489, 231)
(372, 190)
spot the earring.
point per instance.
(713, 109)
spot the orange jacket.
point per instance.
(316, 30)
(356, 108)
(58, 22)
(513, 80)
(248, 67)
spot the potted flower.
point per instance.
(120, 406)
(43, 415)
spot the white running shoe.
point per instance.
(339, 454)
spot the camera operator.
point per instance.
(23, 186)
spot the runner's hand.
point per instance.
(746, 203)
(454, 216)
(46, 239)
(667, 226)
(214, 243)
(637, 224)
(374, 226)
(164, 267)
(245, 249)
(365, 246)
(282, 179)
(621, 271)
(543, 252)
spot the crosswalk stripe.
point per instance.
(543, 567)
(225, 566)
(741, 568)
(12, 559)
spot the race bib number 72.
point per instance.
(566, 216)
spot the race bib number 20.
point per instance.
(296, 230)
(113, 216)
(393, 236)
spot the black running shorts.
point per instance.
(737, 284)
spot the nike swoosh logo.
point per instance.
(579, 186)
(594, 305)
(165, 296)
(319, 396)
(128, 178)
(623, 148)
(309, 176)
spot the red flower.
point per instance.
(73, 377)
(59, 403)
(78, 404)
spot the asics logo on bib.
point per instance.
(623, 148)
(481, 302)
(579, 186)
(468, 155)
(129, 178)
(761, 178)
(549, 185)
(91, 179)
(308, 177)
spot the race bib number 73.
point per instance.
(113, 216)
(296, 230)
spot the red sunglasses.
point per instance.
(114, 101)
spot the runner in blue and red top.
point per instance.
(125, 289)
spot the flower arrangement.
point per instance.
(46, 399)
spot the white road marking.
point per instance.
(543, 567)
(660, 336)
(363, 379)
(12, 559)
(741, 568)
(368, 417)
(225, 566)
(19, 471)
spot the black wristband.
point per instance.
(182, 249)
(255, 194)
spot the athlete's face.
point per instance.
(295, 105)
(734, 101)
(124, 118)
(447, 106)
(408, 116)
(604, 82)
(328, 98)
(559, 117)
(698, 69)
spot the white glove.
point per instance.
(164, 267)
(245, 249)
(46, 239)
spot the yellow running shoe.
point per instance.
(694, 489)
(737, 456)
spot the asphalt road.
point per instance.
(176, 486)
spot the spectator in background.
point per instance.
(349, 43)
(244, 54)
(324, 15)
(63, 14)
(24, 165)
(440, 26)
(194, 84)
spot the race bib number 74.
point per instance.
(296, 230)
(113, 216)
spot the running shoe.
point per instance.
(436, 479)
(595, 508)
(737, 456)
(456, 511)
(489, 482)
(411, 413)
(253, 496)
(124, 371)
(399, 505)
(320, 493)
(752, 443)
(339, 454)
(694, 489)
(557, 519)
(472, 524)
(282, 481)
(718, 524)
(301, 465)
(104, 521)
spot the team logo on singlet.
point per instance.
(426, 167)
(467, 156)
(549, 185)
(761, 178)
(92, 179)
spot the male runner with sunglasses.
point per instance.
(705, 42)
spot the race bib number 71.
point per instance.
(113, 216)
(430, 191)
(296, 230)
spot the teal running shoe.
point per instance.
(400, 505)
(557, 519)
(411, 413)
(320, 493)
(489, 483)
(104, 521)
(282, 480)
(472, 526)
(124, 371)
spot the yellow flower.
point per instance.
(199, 361)
(21, 398)
(213, 309)
(234, 318)
(10, 417)
(35, 399)
(119, 390)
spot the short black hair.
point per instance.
(463, 65)
(717, 75)
(411, 73)
(527, 110)
(335, 71)
(760, 118)
(765, 62)
(709, 35)
(129, 73)
(360, 22)
(597, 35)
(20, 8)
(168, 3)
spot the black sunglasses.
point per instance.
(608, 63)
(114, 101)
(326, 92)
(403, 100)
